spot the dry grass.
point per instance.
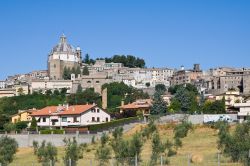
(200, 145)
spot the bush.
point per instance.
(9, 127)
(21, 125)
(111, 124)
(55, 131)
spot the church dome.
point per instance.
(63, 46)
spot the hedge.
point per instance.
(111, 124)
(48, 131)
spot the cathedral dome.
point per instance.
(63, 46)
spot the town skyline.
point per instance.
(173, 33)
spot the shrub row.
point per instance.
(111, 124)
(55, 131)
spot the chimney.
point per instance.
(105, 98)
(122, 102)
(73, 109)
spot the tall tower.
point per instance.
(63, 55)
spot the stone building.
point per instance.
(186, 76)
(91, 81)
(63, 55)
(44, 85)
(229, 79)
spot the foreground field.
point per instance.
(199, 148)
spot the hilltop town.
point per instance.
(112, 103)
(68, 69)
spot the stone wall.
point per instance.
(26, 140)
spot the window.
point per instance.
(97, 82)
(93, 119)
(54, 65)
(107, 119)
(88, 81)
(44, 119)
(98, 119)
(98, 110)
(75, 119)
(64, 119)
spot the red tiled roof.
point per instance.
(45, 111)
(62, 110)
(76, 109)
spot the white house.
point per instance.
(244, 110)
(66, 116)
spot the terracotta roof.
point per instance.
(62, 110)
(76, 109)
(45, 111)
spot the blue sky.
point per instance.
(166, 33)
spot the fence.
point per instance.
(161, 160)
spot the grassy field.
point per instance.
(200, 146)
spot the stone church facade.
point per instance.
(63, 55)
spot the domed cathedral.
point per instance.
(63, 55)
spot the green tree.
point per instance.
(103, 153)
(135, 146)
(87, 96)
(215, 107)
(160, 88)
(159, 105)
(158, 148)
(63, 92)
(181, 131)
(175, 106)
(8, 148)
(9, 127)
(78, 71)
(46, 153)
(86, 59)
(79, 89)
(3, 120)
(73, 152)
(187, 99)
(66, 73)
(21, 125)
(128, 61)
(33, 124)
(73, 71)
(85, 70)
(56, 92)
(236, 144)
(48, 92)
